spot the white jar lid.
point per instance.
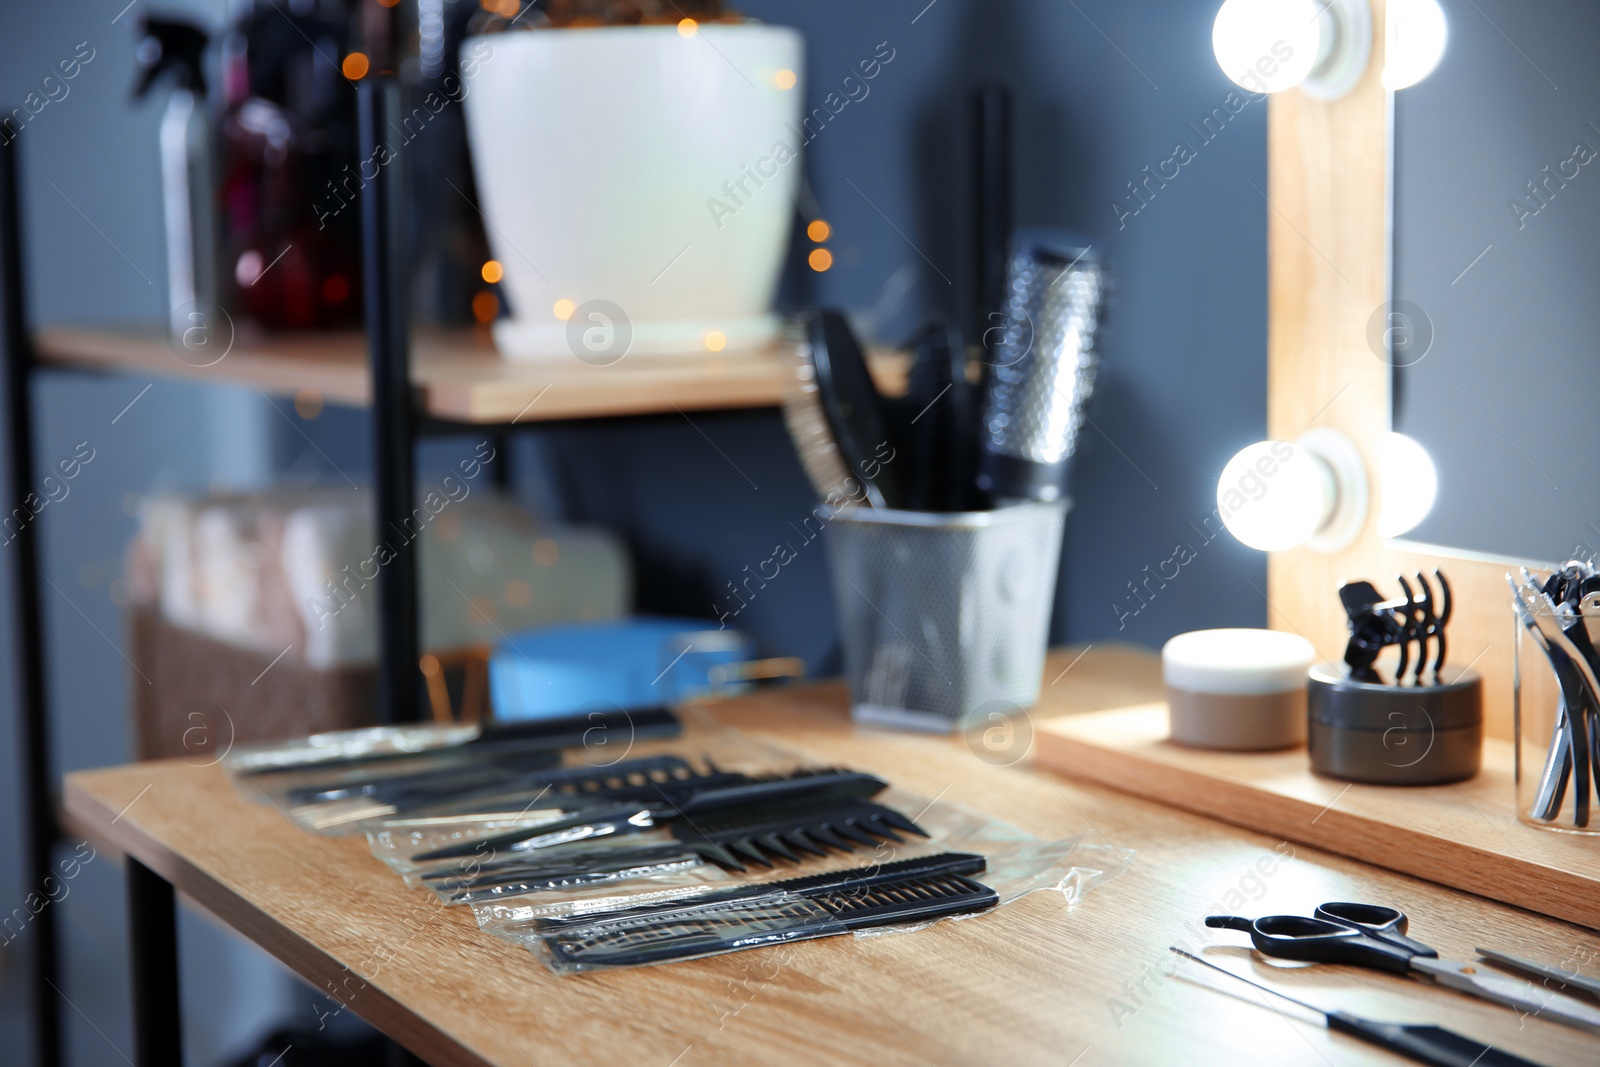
(1237, 662)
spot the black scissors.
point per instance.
(1370, 935)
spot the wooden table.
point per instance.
(1035, 982)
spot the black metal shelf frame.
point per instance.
(396, 428)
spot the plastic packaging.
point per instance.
(1016, 864)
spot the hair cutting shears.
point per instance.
(1369, 935)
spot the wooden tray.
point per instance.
(1466, 836)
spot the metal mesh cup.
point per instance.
(944, 617)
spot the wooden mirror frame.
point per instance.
(1329, 178)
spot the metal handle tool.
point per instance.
(1425, 1044)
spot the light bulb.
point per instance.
(1267, 46)
(1409, 484)
(1417, 33)
(1273, 495)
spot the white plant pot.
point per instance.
(644, 178)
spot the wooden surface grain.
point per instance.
(1038, 981)
(1328, 226)
(458, 374)
(1464, 835)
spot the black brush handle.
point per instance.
(1425, 1044)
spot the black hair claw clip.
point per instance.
(1417, 617)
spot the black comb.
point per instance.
(689, 797)
(790, 831)
(775, 913)
(537, 878)
(578, 789)
(567, 731)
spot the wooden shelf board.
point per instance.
(1465, 835)
(460, 376)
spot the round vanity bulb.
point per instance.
(1410, 484)
(1267, 46)
(1273, 495)
(1416, 36)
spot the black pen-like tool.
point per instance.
(1425, 1044)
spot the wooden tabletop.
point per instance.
(1037, 981)
(458, 374)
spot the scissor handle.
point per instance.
(1384, 923)
(1299, 937)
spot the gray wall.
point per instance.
(1097, 101)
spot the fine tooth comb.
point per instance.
(780, 912)
(689, 798)
(856, 878)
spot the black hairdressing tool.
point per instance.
(1376, 623)
(1370, 935)
(582, 789)
(626, 778)
(674, 800)
(938, 865)
(991, 203)
(454, 778)
(784, 831)
(557, 865)
(836, 417)
(567, 731)
(793, 833)
(782, 912)
(1425, 1044)
(936, 422)
(1041, 371)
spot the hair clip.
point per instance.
(1375, 624)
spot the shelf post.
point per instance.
(153, 951)
(18, 526)
(384, 292)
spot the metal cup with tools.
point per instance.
(945, 506)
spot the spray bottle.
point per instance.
(172, 51)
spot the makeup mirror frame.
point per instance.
(1329, 182)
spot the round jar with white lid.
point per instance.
(1237, 689)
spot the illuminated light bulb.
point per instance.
(784, 79)
(1267, 46)
(1408, 484)
(493, 271)
(820, 259)
(563, 309)
(716, 341)
(818, 230)
(1416, 36)
(687, 27)
(1274, 496)
(355, 66)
